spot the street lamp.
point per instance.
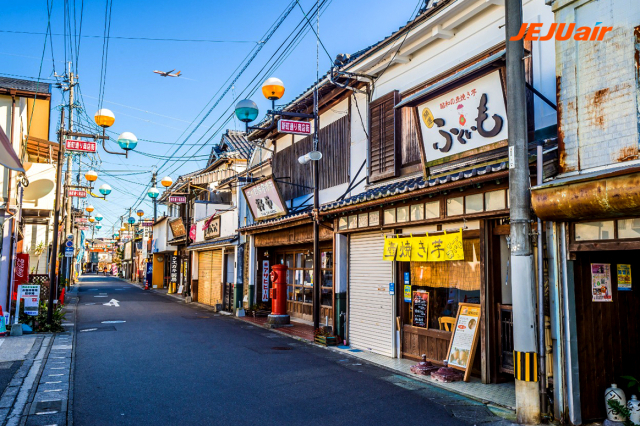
(131, 220)
(91, 176)
(98, 226)
(91, 219)
(246, 110)
(166, 181)
(89, 208)
(98, 217)
(140, 213)
(105, 190)
(127, 140)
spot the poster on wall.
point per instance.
(265, 280)
(601, 282)
(465, 118)
(264, 199)
(463, 343)
(624, 277)
(30, 295)
(420, 308)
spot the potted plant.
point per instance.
(323, 337)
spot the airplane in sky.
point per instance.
(168, 73)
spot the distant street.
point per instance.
(147, 359)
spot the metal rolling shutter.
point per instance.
(370, 305)
(204, 277)
(216, 278)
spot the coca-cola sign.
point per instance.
(21, 269)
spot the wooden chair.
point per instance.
(446, 323)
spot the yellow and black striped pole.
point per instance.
(525, 366)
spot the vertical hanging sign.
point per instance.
(265, 280)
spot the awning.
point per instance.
(451, 79)
(595, 195)
(8, 157)
(213, 243)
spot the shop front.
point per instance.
(163, 252)
(291, 244)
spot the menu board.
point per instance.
(463, 343)
(420, 308)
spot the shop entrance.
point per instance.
(227, 304)
(608, 331)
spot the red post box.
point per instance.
(279, 289)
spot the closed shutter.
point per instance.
(204, 277)
(216, 278)
(371, 322)
(383, 127)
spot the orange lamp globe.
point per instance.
(273, 89)
(166, 181)
(91, 176)
(104, 118)
(89, 208)
(91, 219)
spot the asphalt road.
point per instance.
(177, 364)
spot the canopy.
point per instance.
(8, 157)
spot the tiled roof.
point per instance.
(213, 243)
(233, 144)
(25, 85)
(288, 218)
(413, 184)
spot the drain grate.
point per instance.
(48, 407)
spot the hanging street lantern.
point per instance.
(131, 220)
(91, 176)
(272, 89)
(98, 226)
(140, 213)
(105, 190)
(127, 141)
(89, 208)
(166, 181)
(104, 118)
(153, 193)
(247, 110)
(91, 219)
(98, 217)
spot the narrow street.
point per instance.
(147, 359)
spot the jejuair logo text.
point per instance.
(561, 32)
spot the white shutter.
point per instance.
(371, 322)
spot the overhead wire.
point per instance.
(80, 36)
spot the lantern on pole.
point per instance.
(166, 181)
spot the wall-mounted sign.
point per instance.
(81, 146)
(83, 228)
(264, 199)
(81, 220)
(601, 282)
(173, 269)
(177, 199)
(76, 193)
(212, 228)
(177, 228)
(295, 127)
(463, 343)
(468, 117)
(624, 277)
(265, 280)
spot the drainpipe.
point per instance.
(541, 329)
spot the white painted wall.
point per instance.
(228, 226)
(161, 236)
(202, 210)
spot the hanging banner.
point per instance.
(21, 269)
(265, 280)
(601, 282)
(419, 249)
(403, 253)
(453, 246)
(624, 277)
(390, 249)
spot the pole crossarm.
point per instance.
(84, 135)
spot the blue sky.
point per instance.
(163, 109)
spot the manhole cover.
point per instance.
(281, 348)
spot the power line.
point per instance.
(185, 40)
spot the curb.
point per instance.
(72, 370)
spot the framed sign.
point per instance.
(76, 193)
(468, 117)
(294, 127)
(420, 308)
(212, 228)
(177, 199)
(177, 228)
(464, 339)
(264, 199)
(80, 146)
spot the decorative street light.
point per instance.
(127, 140)
(91, 219)
(98, 217)
(105, 190)
(166, 181)
(247, 111)
(91, 176)
(131, 220)
(140, 213)
(89, 208)
(98, 226)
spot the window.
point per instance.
(382, 135)
(629, 228)
(300, 276)
(473, 203)
(601, 230)
(417, 212)
(432, 210)
(374, 218)
(495, 200)
(389, 216)
(455, 206)
(342, 223)
(353, 221)
(402, 214)
(363, 220)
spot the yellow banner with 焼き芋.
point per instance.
(390, 249)
(454, 250)
(419, 249)
(404, 250)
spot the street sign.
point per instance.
(77, 193)
(80, 146)
(177, 199)
(31, 295)
(294, 127)
(69, 244)
(70, 237)
(83, 228)
(81, 220)
(68, 252)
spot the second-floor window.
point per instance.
(384, 126)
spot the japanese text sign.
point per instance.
(438, 248)
(265, 280)
(468, 117)
(295, 127)
(177, 199)
(212, 228)
(463, 343)
(21, 269)
(82, 146)
(77, 193)
(31, 295)
(264, 199)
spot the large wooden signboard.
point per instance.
(464, 339)
(264, 199)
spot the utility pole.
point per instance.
(317, 271)
(68, 222)
(523, 290)
(154, 178)
(56, 221)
